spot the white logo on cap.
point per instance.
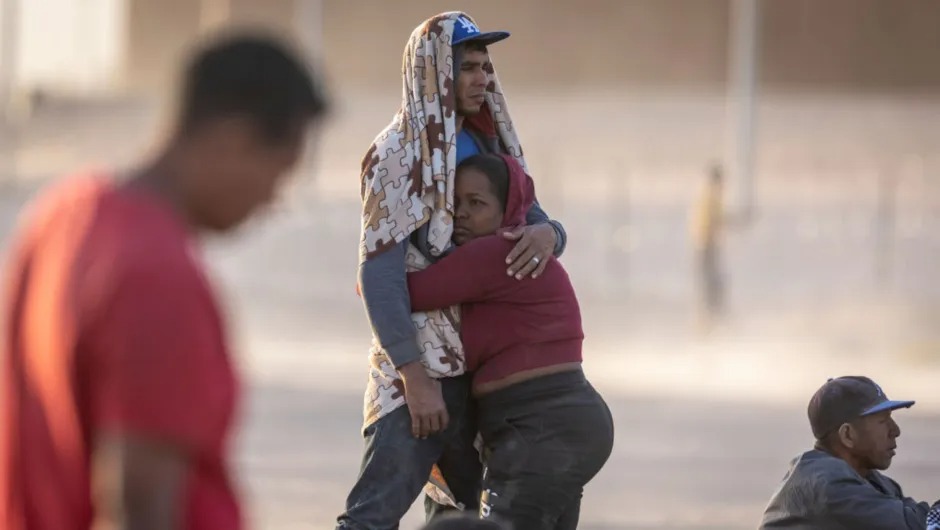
(468, 26)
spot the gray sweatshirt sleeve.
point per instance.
(536, 215)
(851, 503)
(384, 289)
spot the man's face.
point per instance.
(875, 440)
(474, 77)
(239, 172)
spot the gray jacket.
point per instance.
(823, 492)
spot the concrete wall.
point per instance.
(817, 45)
(568, 44)
(63, 45)
(862, 45)
(158, 33)
(806, 44)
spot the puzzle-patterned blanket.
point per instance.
(407, 182)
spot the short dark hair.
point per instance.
(251, 75)
(496, 170)
(472, 46)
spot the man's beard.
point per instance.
(461, 111)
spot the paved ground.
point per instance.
(677, 463)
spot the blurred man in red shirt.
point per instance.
(118, 393)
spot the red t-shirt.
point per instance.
(111, 326)
(506, 325)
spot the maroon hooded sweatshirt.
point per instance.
(507, 325)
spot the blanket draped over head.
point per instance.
(407, 184)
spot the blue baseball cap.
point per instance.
(846, 398)
(465, 30)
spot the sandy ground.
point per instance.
(705, 425)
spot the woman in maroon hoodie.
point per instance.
(547, 432)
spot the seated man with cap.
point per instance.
(838, 484)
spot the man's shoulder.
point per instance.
(823, 466)
(57, 220)
(828, 471)
(71, 196)
(802, 491)
(392, 139)
(134, 235)
(812, 472)
(825, 473)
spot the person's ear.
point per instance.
(848, 435)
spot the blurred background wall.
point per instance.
(854, 45)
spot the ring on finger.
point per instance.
(535, 259)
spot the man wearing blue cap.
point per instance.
(418, 415)
(838, 484)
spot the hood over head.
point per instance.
(521, 194)
(407, 179)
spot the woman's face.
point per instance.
(479, 212)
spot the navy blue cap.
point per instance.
(844, 399)
(465, 30)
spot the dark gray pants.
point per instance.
(395, 464)
(545, 440)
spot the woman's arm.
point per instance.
(473, 272)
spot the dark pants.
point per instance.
(545, 440)
(396, 465)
